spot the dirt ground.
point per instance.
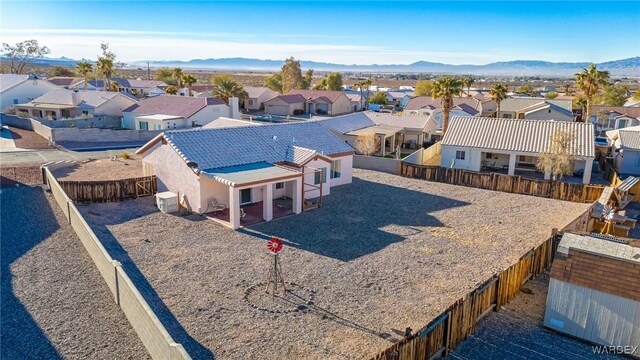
(382, 254)
(103, 169)
(24, 174)
(27, 139)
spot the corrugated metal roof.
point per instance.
(249, 173)
(299, 155)
(533, 136)
(629, 139)
(217, 148)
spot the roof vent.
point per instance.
(192, 164)
(275, 138)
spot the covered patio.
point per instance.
(386, 134)
(247, 194)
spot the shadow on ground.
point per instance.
(21, 337)
(349, 226)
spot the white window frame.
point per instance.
(336, 164)
(460, 155)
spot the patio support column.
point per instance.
(586, 177)
(267, 202)
(297, 197)
(547, 175)
(234, 207)
(58, 114)
(382, 145)
(512, 164)
(393, 143)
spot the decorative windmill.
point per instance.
(275, 273)
(607, 215)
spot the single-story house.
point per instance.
(197, 90)
(298, 102)
(536, 109)
(249, 168)
(477, 143)
(67, 82)
(594, 291)
(400, 98)
(176, 112)
(357, 101)
(140, 87)
(407, 131)
(19, 89)
(427, 103)
(60, 104)
(225, 122)
(625, 146)
(256, 97)
(614, 117)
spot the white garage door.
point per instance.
(278, 110)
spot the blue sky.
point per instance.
(383, 32)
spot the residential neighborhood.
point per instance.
(269, 180)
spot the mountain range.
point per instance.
(625, 67)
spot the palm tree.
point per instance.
(360, 85)
(498, 93)
(84, 68)
(105, 67)
(189, 80)
(367, 84)
(113, 86)
(445, 89)
(588, 81)
(225, 87)
(177, 74)
(467, 81)
(566, 88)
(171, 90)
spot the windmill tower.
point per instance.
(607, 215)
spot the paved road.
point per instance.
(42, 156)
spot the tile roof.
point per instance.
(530, 136)
(398, 94)
(225, 122)
(421, 102)
(544, 105)
(65, 81)
(218, 148)
(347, 123)
(331, 96)
(257, 91)
(8, 81)
(75, 98)
(356, 121)
(299, 155)
(176, 105)
(632, 111)
(290, 99)
(467, 108)
(138, 84)
(521, 103)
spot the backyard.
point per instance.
(384, 253)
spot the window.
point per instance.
(320, 176)
(460, 155)
(85, 112)
(158, 126)
(15, 101)
(336, 166)
(245, 196)
(280, 185)
(250, 102)
(506, 116)
(143, 125)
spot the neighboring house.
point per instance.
(535, 109)
(61, 104)
(140, 87)
(427, 104)
(614, 117)
(256, 97)
(176, 112)
(67, 82)
(408, 132)
(357, 101)
(309, 102)
(225, 122)
(477, 143)
(625, 146)
(275, 165)
(398, 98)
(19, 89)
(197, 91)
(594, 291)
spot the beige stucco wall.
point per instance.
(549, 114)
(114, 106)
(342, 105)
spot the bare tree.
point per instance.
(368, 144)
(23, 53)
(558, 159)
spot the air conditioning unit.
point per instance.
(167, 202)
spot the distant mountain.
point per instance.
(625, 67)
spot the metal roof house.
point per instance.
(257, 172)
(477, 144)
(625, 144)
(594, 291)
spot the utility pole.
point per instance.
(148, 71)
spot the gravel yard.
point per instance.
(103, 169)
(54, 304)
(383, 254)
(28, 139)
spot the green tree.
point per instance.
(423, 88)
(166, 75)
(307, 79)
(614, 95)
(171, 90)
(580, 102)
(498, 93)
(379, 98)
(291, 75)
(527, 90)
(60, 71)
(367, 86)
(467, 81)
(445, 89)
(84, 68)
(589, 81)
(225, 87)
(23, 53)
(566, 88)
(333, 81)
(558, 159)
(105, 68)
(636, 95)
(360, 85)
(189, 80)
(320, 85)
(274, 82)
(177, 75)
(551, 95)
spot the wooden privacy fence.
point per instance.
(110, 190)
(144, 321)
(506, 183)
(459, 321)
